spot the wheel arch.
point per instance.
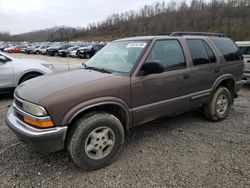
(28, 72)
(225, 81)
(115, 108)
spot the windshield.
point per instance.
(87, 47)
(118, 56)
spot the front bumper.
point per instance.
(246, 77)
(42, 140)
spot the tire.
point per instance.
(87, 56)
(95, 132)
(218, 107)
(29, 76)
(80, 55)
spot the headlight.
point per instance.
(50, 66)
(34, 109)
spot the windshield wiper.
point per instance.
(97, 69)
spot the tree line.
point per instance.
(225, 16)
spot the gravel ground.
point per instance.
(181, 151)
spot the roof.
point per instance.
(141, 38)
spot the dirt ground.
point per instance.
(181, 151)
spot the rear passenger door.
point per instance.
(204, 69)
(156, 95)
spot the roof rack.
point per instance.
(198, 33)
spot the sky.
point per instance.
(19, 16)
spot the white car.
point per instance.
(245, 49)
(14, 71)
(73, 53)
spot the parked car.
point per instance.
(13, 49)
(38, 50)
(65, 52)
(30, 49)
(245, 50)
(54, 51)
(23, 48)
(73, 53)
(44, 51)
(89, 51)
(129, 82)
(3, 46)
(14, 71)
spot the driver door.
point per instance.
(6, 74)
(157, 95)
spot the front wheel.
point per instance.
(95, 140)
(218, 107)
(87, 56)
(28, 77)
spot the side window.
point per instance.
(245, 50)
(227, 48)
(169, 53)
(200, 52)
(95, 48)
(210, 53)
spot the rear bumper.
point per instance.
(238, 86)
(42, 140)
(246, 77)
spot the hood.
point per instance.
(38, 88)
(64, 50)
(54, 48)
(29, 61)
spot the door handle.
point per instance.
(216, 70)
(186, 76)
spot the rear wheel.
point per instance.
(219, 105)
(95, 140)
(28, 77)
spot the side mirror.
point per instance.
(152, 67)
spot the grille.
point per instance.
(19, 104)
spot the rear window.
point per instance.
(227, 48)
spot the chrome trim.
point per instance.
(45, 118)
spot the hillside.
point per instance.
(225, 16)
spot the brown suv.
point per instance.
(129, 82)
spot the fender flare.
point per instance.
(86, 105)
(220, 79)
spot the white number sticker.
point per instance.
(136, 45)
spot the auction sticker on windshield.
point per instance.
(137, 45)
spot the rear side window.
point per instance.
(227, 48)
(245, 50)
(200, 52)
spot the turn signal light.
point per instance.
(40, 124)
